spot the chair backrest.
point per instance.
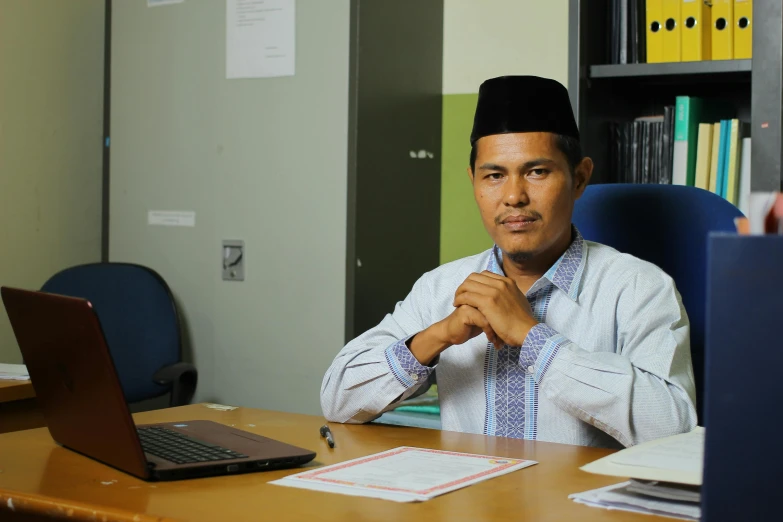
(138, 316)
(667, 225)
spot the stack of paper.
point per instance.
(404, 474)
(667, 490)
(666, 477)
(13, 372)
(623, 498)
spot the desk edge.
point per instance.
(31, 504)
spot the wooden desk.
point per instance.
(38, 477)
(18, 408)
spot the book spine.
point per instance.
(623, 31)
(635, 152)
(633, 34)
(667, 144)
(744, 193)
(614, 32)
(732, 175)
(681, 121)
(722, 156)
(715, 159)
(642, 30)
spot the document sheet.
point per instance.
(405, 474)
(679, 459)
(260, 38)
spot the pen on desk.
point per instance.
(326, 432)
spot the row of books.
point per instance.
(656, 31)
(723, 160)
(692, 143)
(642, 150)
(627, 35)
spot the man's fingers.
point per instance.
(505, 282)
(494, 339)
(473, 317)
(476, 287)
(476, 318)
(476, 300)
(492, 275)
(488, 278)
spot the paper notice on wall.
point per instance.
(171, 218)
(260, 38)
(156, 3)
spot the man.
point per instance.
(546, 336)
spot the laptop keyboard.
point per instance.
(181, 449)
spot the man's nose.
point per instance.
(516, 192)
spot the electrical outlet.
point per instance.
(233, 260)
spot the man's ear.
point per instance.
(582, 174)
(470, 175)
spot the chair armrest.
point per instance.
(183, 378)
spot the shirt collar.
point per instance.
(566, 273)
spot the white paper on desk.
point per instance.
(13, 372)
(260, 38)
(685, 453)
(405, 474)
(679, 459)
(618, 497)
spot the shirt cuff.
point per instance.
(540, 348)
(406, 369)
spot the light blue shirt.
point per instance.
(609, 362)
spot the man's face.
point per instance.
(525, 192)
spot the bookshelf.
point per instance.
(602, 92)
(722, 67)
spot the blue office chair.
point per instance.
(141, 324)
(666, 225)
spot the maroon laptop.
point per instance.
(77, 387)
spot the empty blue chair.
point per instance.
(142, 327)
(667, 225)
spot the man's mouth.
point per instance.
(518, 221)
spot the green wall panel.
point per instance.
(461, 231)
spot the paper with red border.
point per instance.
(405, 474)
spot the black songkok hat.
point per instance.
(523, 104)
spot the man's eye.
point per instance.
(539, 172)
(495, 175)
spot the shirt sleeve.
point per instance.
(376, 371)
(639, 388)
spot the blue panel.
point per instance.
(743, 458)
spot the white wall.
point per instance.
(487, 38)
(51, 133)
(262, 160)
